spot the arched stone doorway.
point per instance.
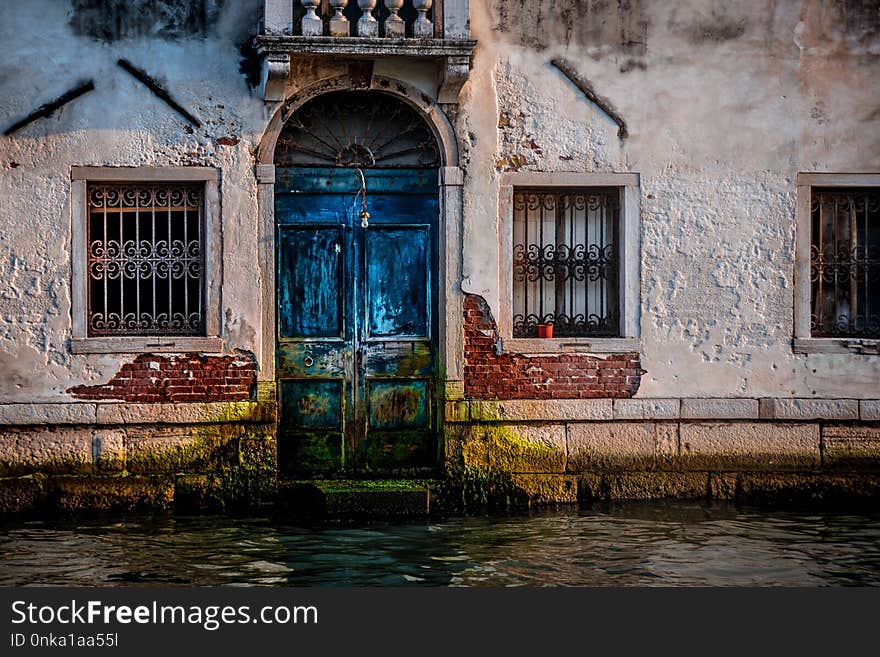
(357, 234)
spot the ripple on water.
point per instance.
(636, 544)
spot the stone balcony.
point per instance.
(437, 31)
(427, 30)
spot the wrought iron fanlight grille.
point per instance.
(357, 129)
(145, 259)
(565, 262)
(845, 263)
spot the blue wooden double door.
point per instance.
(356, 320)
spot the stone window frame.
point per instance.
(803, 342)
(81, 342)
(629, 243)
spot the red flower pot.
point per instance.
(545, 330)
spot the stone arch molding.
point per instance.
(430, 111)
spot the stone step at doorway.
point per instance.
(358, 498)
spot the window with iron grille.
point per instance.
(145, 259)
(565, 261)
(845, 263)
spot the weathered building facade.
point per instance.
(585, 249)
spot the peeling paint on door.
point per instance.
(356, 346)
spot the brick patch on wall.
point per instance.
(179, 378)
(513, 376)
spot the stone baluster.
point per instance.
(278, 16)
(395, 27)
(339, 24)
(311, 22)
(422, 27)
(456, 19)
(368, 26)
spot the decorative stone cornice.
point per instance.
(365, 47)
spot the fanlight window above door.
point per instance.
(357, 129)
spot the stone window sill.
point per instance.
(147, 344)
(860, 346)
(550, 346)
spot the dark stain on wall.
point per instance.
(112, 20)
(717, 31)
(632, 65)
(715, 22)
(826, 22)
(858, 19)
(619, 26)
(862, 14)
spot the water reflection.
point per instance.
(647, 544)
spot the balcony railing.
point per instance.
(435, 30)
(366, 19)
(392, 19)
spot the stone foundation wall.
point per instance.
(741, 450)
(119, 457)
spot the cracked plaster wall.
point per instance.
(725, 103)
(121, 123)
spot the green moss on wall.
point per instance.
(511, 449)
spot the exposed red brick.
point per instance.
(513, 376)
(188, 377)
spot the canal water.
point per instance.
(622, 545)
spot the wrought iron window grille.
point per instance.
(145, 259)
(566, 262)
(845, 263)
